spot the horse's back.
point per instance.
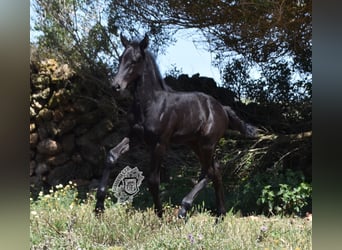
(186, 116)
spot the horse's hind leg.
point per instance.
(205, 155)
(218, 186)
(190, 197)
(210, 169)
(111, 160)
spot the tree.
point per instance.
(76, 32)
(272, 37)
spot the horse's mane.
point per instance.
(151, 59)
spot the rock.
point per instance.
(52, 128)
(59, 97)
(62, 72)
(94, 184)
(40, 81)
(42, 169)
(57, 115)
(43, 94)
(45, 114)
(58, 159)
(33, 139)
(91, 153)
(36, 105)
(66, 125)
(32, 154)
(32, 112)
(47, 130)
(62, 174)
(42, 132)
(68, 143)
(69, 171)
(77, 158)
(96, 133)
(49, 147)
(35, 181)
(32, 167)
(89, 118)
(32, 127)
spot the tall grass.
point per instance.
(59, 220)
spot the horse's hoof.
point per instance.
(98, 211)
(159, 213)
(182, 213)
(219, 219)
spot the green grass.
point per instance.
(60, 221)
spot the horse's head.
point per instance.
(131, 63)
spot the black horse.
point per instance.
(165, 116)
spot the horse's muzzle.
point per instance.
(116, 87)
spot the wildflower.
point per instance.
(263, 229)
(59, 186)
(34, 212)
(262, 235)
(191, 238)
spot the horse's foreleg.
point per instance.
(110, 162)
(154, 178)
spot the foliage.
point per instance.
(271, 37)
(281, 193)
(285, 198)
(59, 220)
(75, 32)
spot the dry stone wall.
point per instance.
(70, 127)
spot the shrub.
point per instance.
(281, 193)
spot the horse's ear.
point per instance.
(124, 40)
(144, 43)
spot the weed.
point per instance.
(58, 220)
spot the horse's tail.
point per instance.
(236, 123)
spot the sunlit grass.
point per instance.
(59, 220)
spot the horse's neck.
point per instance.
(148, 84)
(145, 93)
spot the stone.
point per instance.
(57, 115)
(32, 154)
(42, 169)
(62, 174)
(32, 112)
(36, 105)
(45, 114)
(42, 132)
(68, 143)
(57, 159)
(33, 165)
(66, 126)
(33, 139)
(32, 127)
(49, 147)
(43, 94)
